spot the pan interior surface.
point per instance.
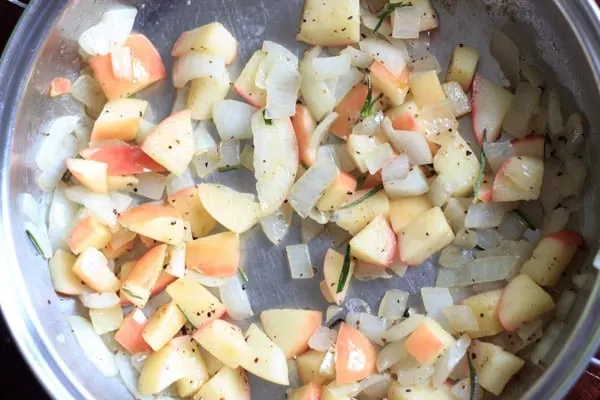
(540, 28)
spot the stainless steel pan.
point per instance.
(562, 36)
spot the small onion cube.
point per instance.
(331, 67)
(151, 185)
(112, 31)
(418, 375)
(393, 304)
(206, 163)
(564, 304)
(547, 342)
(98, 204)
(393, 58)
(99, 300)
(283, 84)
(346, 82)
(487, 215)
(310, 229)
(373, 327)
(396, 170)
(406, 22)
(232, 119)
(235, 298)
(392, 354)
(299, 261)
(450, 359)
(488, 269)
(454, 257)
(194, 65)
(229, 155)
(277, 225)
(435, 301)
(379, 157)
(358, 58)
(513, 227)
(461, 318)
(92, 346)
(322, 339)
(175, 183)
(309, 188)
(176, 266)
(340, 155)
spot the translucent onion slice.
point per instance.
(339, 153)
(232, 119)
(181, 99)
(206, 163)
(506, 52)
(435, 301)
(564, 304)
(235, 298)
(278, 52)
(368, 126)
(542, 349)
(358, 58)
(393, 58)
(88, 91)
(454, 257)
(513, 227)
(194, 65)
(334, 67)
(487, 215)
(403, 329)
(488, 238)
(319, 97)
(308, 189)
(497, 153)
(282, 85)
(450, 360)
(415, 184)
(357, 305)
(247, 157)
(203, 140)
(277, 225)
(322, 339)
(99, 300)
(417, 375)
(393, 304)
(61, 214)
(229, 155)
(92, 346)
(406, 23)
(413, 143)
(151, 185)
(373, 327)
(299, 261)
(98, 204)
(376, 386)
(379, 157)
(112, 31)
(310, 229)
(488, 269)
(392, 354)
(129, 375)
(175, 183)
(396, 170)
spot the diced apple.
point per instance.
(332, 268)
(92, 268)
(187, 202)
(353, 216)
(245, 85)
(291, 329)
(216, 255)
(354, 355)
(64, 280)
(236, 211)
(196, 373)
(485, 308)
(224, 341)
(86, 233)
(462, 66)
(525, 102)
(327, 23)
(531, 146)
(359, 147)
(91, 174)
(482, 352)
(171, 143)
(227, 384)
(119, 120)
(312, 391)
(551, 257)
(304, 127)
(522, 301)
(404, 117)
(106, 320)
(424, 236)
(195, 301)
(213, 365)
(112, 253)
(426, 88)
(212, 38)
(129, 334)
(142, 278)
(490, 103)
(485, 189)
(205, 93)
(457, 167)
(398, 392)
(122, 182)
(309, 365)
(160, 370)
(122, 160)
(146, 64)
(498, 371)
(163, 325)
(343, 186)
(376, 243)
(372, 181)
(519, 178)
(405, 209)
(459, 101)
(349, 111)
(162, 223)
(264, 359)
(60, 86)
(393, 87)
(428, 342)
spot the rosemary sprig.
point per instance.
(483, 162)
(243, 274)
(361, 181)
(367, 195)
(34, 242)
(473, 378)
(345, 271)
(387, 11)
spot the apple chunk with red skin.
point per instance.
(291, 329)
(88, 232)
(187, 202)
(162, 223)
(424, 236)
(92, 174)
(519, 178)
(522, 301)
(122, 160)
(551, 257)
(216, 255)
(224, 341)
(312, 391)
(212, 38)
(428, 341)
(376, 243)
(304, 126)
(532, 146)
(354, 356)
(119, 120)
(490, 103)
(393, 87)
(245, 85)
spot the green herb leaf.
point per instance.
(303, 165)
(345, 271)
(367, 195)
(473, 377)
(243, 274)
(387, 11)
(483, 162)
(131, 294)
(34, 242)
(267, 121)
(360, 181)
(229, 168)
(367, 108)
(66, 176)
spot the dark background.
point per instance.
(17, 381)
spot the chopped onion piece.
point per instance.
(129, 374)
(137, 360)
(415, 184)
(283, 84)
(194, 65)
(322, 339)
(461, 318)
(299, 261)
(112, 31)
(393, 304)
(379, 157)
(247, 157)
(232, 119)
(393, 58)
(62, 214)
(229, 155)
(121, 63)
(203, 140)
(413, 143)
(206, 163)
(342, 391)
(99, 300)
(533, 75)
(396, 170)
(450, 360)
(368, 126)
(319, 97)
(88, 91)
(398, 268)
(462, 390)
(564, 304)
(340, 155)
(176, 266)
(310, 229)
(488, 269)
(373, 327)
(357, 305)
(418, 375)
(487, 215)
(325, 68)
(435, 301)
(406, 22)
(403, 329)
(506, 52)
(60, 129)
(497, 153)
(235, 298)
(277, 225)
(371, 20)
(548, 341)
(454, 257)
(309, 188)
(278, 52)
(376, 386)
(517, 119)
(151, 185)
(429, 62)
(528, 329)
(513, 227)
(99, 204)
(181, 99)
(358, 58)
(555, 117)
(488, 238)
(92, 346)
(208, 281)
(392, 354)
(459, 101)
(175, 183)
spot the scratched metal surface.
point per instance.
(537, 28)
